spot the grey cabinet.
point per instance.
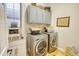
(32, 14)
(47, 17)
(37, 15)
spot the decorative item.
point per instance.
(33, 4)
(63, 21)
(13, 31)
(47, 8)
(41, 6)
(13, 25)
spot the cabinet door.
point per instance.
(46, 17)
(39, 15)
(32, 14)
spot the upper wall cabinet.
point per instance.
(38, 15)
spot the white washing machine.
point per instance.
(37, 44)
(52, 38)
(52, 41)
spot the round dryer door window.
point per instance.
(54, 42)
(41, 48)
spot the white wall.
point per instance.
(68, 36)
(3, 30)
(24, 23)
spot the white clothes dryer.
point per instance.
(37, 44)
(52, 41)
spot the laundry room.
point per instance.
(39, 29)
(66, 35)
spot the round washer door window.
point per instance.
(41, 48)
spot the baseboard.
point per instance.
(4, 52)
(61, 49)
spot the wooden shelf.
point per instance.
(47, 8)
(14, 34)
(14, 31)
(13, 28)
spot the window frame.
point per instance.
(20, 14)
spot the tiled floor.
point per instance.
(56, 53)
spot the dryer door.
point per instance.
(54, 40)
(41, 48)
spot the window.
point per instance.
(12, 11)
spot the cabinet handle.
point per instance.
(22, 37)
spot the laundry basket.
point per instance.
(70, 51)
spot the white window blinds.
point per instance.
(12, 11)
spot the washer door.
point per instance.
(41, 48)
